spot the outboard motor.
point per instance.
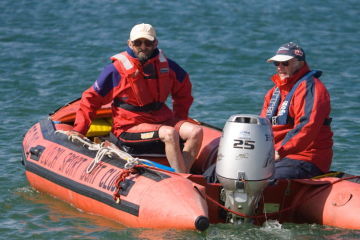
(245, 163)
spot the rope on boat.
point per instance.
(83, 140)
(133, 168)
(109, 149)
(122, 177)
(104, 149)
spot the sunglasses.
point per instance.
(138, 43)
(285, 64)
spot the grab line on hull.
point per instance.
(84, 190)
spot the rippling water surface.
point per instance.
(52, 50)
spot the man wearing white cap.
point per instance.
(138, 82)
(298, 107)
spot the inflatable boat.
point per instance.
(142, 191)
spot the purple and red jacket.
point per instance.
(138, 92)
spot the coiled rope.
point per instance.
(110, 150)
(104, 149)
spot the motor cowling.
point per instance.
(245, 162)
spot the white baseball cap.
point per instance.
(143, 30)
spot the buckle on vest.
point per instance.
(274, 120)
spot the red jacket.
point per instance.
(308, 135)
(133, 88)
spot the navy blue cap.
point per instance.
(288, 51)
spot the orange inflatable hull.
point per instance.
(148, 199)
(328, 201)
(156, 198)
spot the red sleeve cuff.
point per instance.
(79, 130)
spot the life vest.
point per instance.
(281, 116)
(139, 94)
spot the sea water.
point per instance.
(52, 50)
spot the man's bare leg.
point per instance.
(193, 136)
(170, 137)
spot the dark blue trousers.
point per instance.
(290, 168)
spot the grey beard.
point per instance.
(142, 57)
